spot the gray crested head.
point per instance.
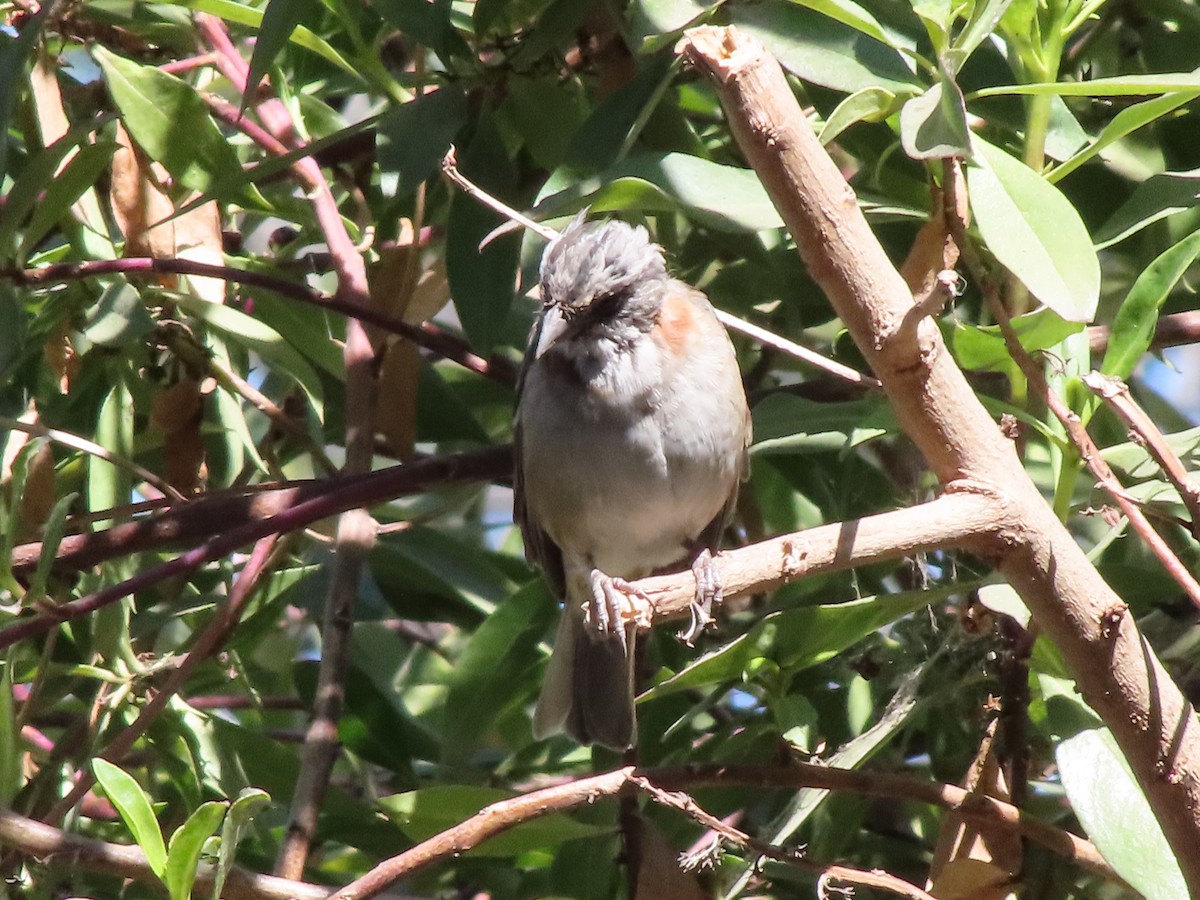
(609, 260)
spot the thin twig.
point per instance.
(977, 808)
(83, 445)
(45, 842)
(800, 352)
(762, 335)
(685, 804)
(1172, 330)
(427, 334)
(1145, 432)
(499, 817)
(1088, 451)
(354, 492)
(207, 644)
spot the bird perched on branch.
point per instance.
(631, 436)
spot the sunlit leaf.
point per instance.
(183, 854)
(1114, 813)
(169, 120)
(1034, 232)
(1133, 326)
(136, 812)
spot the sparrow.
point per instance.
(631, 434)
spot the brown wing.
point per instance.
(539, 548)
(710, 537)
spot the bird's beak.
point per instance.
(553, 327)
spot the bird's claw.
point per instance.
(616, 610)
(709, 593)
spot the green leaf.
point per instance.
(855, 16)
(427, 23)
(179, 872)
(10, 747)
(415, 135)
(871, 104)
(1133, 326)
(136, 812)
(13, 329)
(1113, 811)
(248, 804)
(1123, 123)
(727, 198)
(429, 811)
(241, 14)
(69, 185)
(13, 53)
(653, 23)
(799, 638)
(1154, 199)
(498, 653)
(823, 50)
(1132, 461)
(235, 182)
(107, 484)
(934, 125)
(938, 17)
(56, 526)
(249, 332)
(1120, 86)
(482, 282)
(983, 347)
(28, 188)
(118, 317)
(983, 21)
(610, 131)
(170, 121)
(1035, 232)
(279, 20)
(784, 424)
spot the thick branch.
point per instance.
(959, 519)
(359, 491)
(214, 514)
(499, 817)
(1116, 671)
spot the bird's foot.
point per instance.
(708, 594)
(617, 609)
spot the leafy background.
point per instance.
(1076, 118)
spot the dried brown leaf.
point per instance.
(179, 412)
(139, 200)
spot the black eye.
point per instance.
(607, 304)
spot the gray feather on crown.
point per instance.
(592, 259)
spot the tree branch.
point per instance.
(1115, 669)
(42, 841)
(356, 491)
(427, 334)
(963, 519)
(1143, 430)
(213, 514)
(499, 817)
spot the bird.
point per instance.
(631, 437)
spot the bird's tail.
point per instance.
(588, 689)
